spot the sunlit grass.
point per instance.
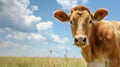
(41, 62)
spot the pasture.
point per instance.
(41, 62)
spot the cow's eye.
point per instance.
(70, 22)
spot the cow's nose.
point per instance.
(80, 39)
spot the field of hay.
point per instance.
(41, 62)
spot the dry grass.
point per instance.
(41, 62)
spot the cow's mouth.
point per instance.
(80, 44)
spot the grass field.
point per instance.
(41, 62)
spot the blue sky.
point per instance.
(28, 28)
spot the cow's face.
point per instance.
(81, 22)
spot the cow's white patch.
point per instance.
(96, 64)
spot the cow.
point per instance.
(66, 18)
(99, 39)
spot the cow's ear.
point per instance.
(100, 14)
(61, 16)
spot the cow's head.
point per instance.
(80, 19)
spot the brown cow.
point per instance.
(103, 36)
(84, 47)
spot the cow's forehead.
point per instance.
(80, 8)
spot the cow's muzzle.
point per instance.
(80, 40)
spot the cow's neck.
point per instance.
(94, 41)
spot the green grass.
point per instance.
(41, 62)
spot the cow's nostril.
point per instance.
(84, 39)
(76, 40)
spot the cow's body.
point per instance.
(104, 41)
(102, 37)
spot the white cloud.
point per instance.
(18, 48)
(11, 44)
(34, 8)
(45, 28)
(44, 25)
(43, 36)
(57, 38)
(6, 44)
(37, 37)
(11, 48)
(67, 4)
(19, 35)
(26, 36)
(84, 1)
(18, 26)
(8, 36)
(18, 15)
(47, 35)
(63, 47)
